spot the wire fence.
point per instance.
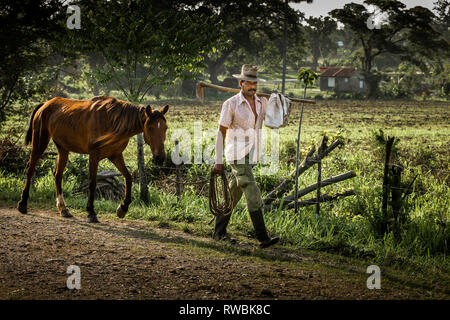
(181, 170)
(198, 179)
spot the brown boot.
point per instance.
(220, 229)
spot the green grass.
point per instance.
(343, 226)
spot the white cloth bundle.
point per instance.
(277, 112)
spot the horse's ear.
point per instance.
(164, 109)
(148, 110)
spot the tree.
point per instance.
(245, 24)
(266, 52)
(441, 65)
(442, 7)
(408, 34)
(145, 43)
(319, 31)
(28, 33)
(285, 38)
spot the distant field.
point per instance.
(422, 127)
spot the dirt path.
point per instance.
(124, 259)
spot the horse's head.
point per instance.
(155, 128)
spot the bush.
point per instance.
(357, 96)
(318, 97)
(446, 88)
(288, 149)
(13, 157)
(394, 90)
(267, 183)
(341, 95)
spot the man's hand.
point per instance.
(218, 168)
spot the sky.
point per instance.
(322, 7)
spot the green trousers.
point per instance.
(242, 182)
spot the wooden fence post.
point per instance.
(386, 184)
(322, 148)
(178, 171)
(319, 179)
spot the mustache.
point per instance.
(252, 90)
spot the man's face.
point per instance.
(249, 88)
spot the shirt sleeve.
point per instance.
(226, 115)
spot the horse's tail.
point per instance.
(30, 128)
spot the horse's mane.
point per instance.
(122, 117)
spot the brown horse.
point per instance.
(100, 127)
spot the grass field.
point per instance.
(344, 226)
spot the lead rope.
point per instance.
(220, 202)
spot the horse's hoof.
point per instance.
(65, 213)
(120, 212)
(22, 208)
(93, 219)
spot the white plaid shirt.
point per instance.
(243, 133)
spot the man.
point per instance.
(239, 128)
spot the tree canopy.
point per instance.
(145, 42)
(255, 27)
(28, 33)
(319, 31)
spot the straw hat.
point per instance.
(248, 73)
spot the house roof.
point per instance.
(336, 72)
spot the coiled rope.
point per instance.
(220, 202)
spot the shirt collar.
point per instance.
(242, 98)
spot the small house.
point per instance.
(342, 79)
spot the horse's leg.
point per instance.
(120, 165)
(93, 166)
(63, 155)
(40, 142)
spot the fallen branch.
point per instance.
(284, 186)
(311, 188)
(307, 163)
(324, 198)
(107, 186)
(322, 148)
